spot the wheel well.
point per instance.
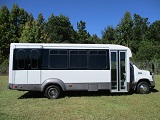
(144, 80)
(52, 84)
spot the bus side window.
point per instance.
(58, 59)
(34, 59)
(45, 59)
(98, 59)
(78, 59)
(21, 59)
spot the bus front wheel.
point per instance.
(52, 92)
(143, 88)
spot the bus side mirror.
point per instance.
(152, 67)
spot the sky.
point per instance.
(97, 14)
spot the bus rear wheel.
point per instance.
(52, 92)
(143, 88)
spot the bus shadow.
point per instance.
(32, 94)
(93, 94)
(154, 90)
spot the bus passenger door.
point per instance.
(118, 71)
(34, 72)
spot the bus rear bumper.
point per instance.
(25, 87)
(10, 86)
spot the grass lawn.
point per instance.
(30, 106)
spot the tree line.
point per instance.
(136, 32)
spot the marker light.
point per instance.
(14, 87)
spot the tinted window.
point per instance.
(34, 59)
(21, 59)
(58, 59)
(98, 59)
(45, 58)
(78, 59)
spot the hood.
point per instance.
(140, 72)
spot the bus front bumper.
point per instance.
(152, 84)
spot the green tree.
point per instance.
(4, 33)
(42, 35)
(40, 20)
(109, 35)
(94, 39)
(154, 32)
(139, 32)
(14, 23)
(124, 30)
(140, 27)
(22, 18)
(18, 18)
(83, 35)
(30, 18)
(1, 57)
(28, 34)
(32, 33)
(147, 51)
(59, 29)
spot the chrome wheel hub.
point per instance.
(143, 88)
(53, 92)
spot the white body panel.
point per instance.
(34, 76)
(142, 74)
(21, 77)
(11, 73)
(27, 76)
(77, 76)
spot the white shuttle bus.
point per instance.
(54, 68)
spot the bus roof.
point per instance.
(74, 46)
(104, 46)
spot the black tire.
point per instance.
(143, 88)
(52, 92)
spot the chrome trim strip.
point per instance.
(68, 86)
(88, 86)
